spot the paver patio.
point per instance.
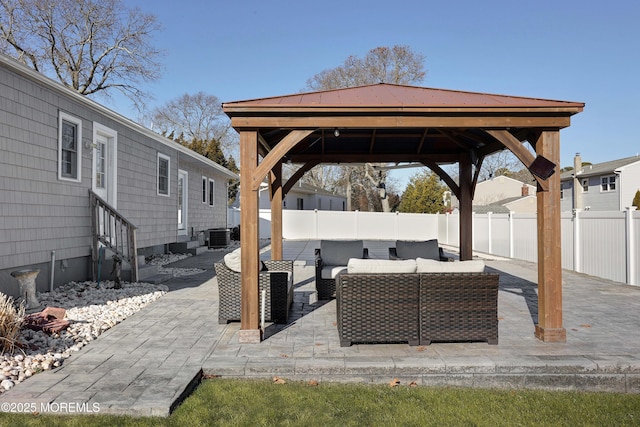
(148, 363)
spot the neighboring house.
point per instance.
(57, 146)
(520, 204)
(306, 197)
(500, 188)
(607, 186)
(503, 194)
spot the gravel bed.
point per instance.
(90, 309)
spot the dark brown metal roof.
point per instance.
(389, 95)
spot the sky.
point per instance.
(570, 50)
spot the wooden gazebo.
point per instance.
(385, 123)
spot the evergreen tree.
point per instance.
(423, 194)
(636, 200)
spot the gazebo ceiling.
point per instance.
(394, 123)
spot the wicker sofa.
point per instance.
(407, 249)
(437, 301)
(276, 278)
(331, 260)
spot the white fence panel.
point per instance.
(481, 228)
(412, 226)
(334, 224)
(500, 244)
(525, 241)
(602, 246)
(567, 225)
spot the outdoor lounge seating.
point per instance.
(429, 249)
(331, 260)
(428, 301)
(276, 278)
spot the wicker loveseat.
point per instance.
(434, 302)
(331, 260)
(276, 279)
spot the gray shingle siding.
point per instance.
(40, 213)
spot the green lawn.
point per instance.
(225, 402)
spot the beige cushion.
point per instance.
(356, 265)
(331, 271)
(233, 261)
(433, 266)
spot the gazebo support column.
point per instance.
(276, 211)
(466, 209)
(549, 327)
(249, 243)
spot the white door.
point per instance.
(104, 178)
(104, 163)
(183, 192)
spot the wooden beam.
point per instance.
(438, 157)
(549, 327)
(369, 122)
(455, 189)
(516, 147)
(249, 304)
(422, 139)
(275, 183)
(276, 154)
(373, 141)
(297, 175)
(466, 209)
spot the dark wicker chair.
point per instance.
(326, 288)
(275, 280)
(458, 307)
(378, 308)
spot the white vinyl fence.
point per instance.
(602, 244)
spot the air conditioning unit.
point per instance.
(218, 237)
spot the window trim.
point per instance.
(168, 159)
(212, 191)
(205, 189)
(584, 183)
(62, 116)
(608, 183)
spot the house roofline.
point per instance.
(29, 73)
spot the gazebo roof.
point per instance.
(395, 123)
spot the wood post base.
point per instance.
(250, 336)
(551, 334)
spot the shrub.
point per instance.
(11, 321)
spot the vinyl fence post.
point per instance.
(631, 256)
(511, 237)
(577, 261)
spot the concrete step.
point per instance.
(158, 278)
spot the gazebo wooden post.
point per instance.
(466, 210)
(275, 181)
(249, 243)
(549, 327)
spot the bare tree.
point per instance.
(195, 117)
(90, 46)
(397, 65)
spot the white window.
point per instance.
(585, 185)
(69, 147)
(608, 183)
(204, 189)
(211, 191)
(164, 165)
